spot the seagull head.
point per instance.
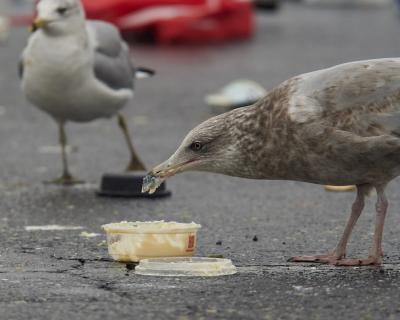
(59, 17)
(215, 145)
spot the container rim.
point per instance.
(130, 228)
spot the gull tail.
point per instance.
(141, 73)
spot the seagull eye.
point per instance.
(62, 11)
(196, 146)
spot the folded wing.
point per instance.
(112, 63)
(362, 97)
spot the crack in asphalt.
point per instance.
(82, 260)
(96, 284)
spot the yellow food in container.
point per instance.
(133, 241)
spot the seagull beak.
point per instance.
(163, 171)
(39, 23)
(168, 169)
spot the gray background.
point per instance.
(60, 275)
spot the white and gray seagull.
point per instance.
(337, 126)
(77, 70)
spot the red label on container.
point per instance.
(191, 242)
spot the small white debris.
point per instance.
(53, 227)
(302, 289)
(85, 186)
(238, 93)
(86, 234)
(102, 243)
(56, 149)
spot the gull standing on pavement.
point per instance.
(77, 70)
(337, 126)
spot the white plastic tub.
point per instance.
(134, 241)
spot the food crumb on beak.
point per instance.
(151, 183)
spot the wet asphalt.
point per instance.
(62, 275)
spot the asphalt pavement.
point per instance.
(62, 275)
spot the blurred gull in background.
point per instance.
(77, 70)
(338, 126)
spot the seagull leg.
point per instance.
(135, 163)
(66, 178)
(340, 250)
(376, 252)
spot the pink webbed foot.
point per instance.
(370, 261)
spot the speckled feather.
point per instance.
(335, 126)
(325, 127)
(338, 126)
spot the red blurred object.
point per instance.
(172, 21)
(21, 20)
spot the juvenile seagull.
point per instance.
(337, 126)
(77, 70)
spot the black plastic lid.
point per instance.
(128, 185)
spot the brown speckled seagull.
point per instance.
(337, 126)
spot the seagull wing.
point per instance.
(362, 97)
(112, 63)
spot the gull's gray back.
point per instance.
(352, 83)
(112, 64)
(360, 96)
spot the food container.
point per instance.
(186, 267)
(133, 241)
